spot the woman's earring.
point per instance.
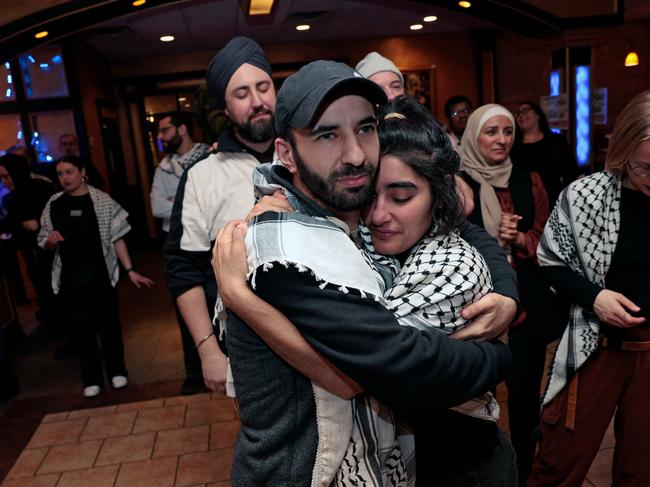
(85, 179)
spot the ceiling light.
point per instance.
(260, 7)
(41, 34)
(416, 27)
(167, 38)
(465, 4)
(632, 59)
(137, 3)
(430, 18)
(303, 27)
(182, 98)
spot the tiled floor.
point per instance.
(141, 435)
(178, 441)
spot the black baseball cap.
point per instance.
(302, 94)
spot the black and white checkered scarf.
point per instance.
(441, 275)
(173, 163)
(357, 439)
(581, 234)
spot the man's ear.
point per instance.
(285, 153)
(182, 130)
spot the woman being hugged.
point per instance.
(596, 250)
(85, 227)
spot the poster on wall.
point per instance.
(599, 106)
(420, 83)
(556, 109)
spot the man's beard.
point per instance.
(173, 144)
(324, 189)
(256, 132)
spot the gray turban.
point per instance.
(240, 50)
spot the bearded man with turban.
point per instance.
(218, 189)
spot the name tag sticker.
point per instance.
(76, 212)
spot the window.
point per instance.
(43, 73)
(47, 127)
(7, 90)
(11, 132)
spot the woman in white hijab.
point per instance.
(511, 204)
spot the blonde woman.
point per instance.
(596, 250)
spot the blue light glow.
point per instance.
(44, 65)
(49, 158)
(57, 59)
(8, 93)
(31, 59)
(583, 142)
(10, 80)
(7, 66)
(35, 135)
(555, 90)
(555, 83)
(20, 135)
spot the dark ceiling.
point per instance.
(121, 31)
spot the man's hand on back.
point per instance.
(490, 317)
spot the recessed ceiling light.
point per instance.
(167, 38)
(40, 35)
(303, 27)
(182, 98)
(137, 3)
(416, 27)
(430, 18)
(465, 4)
(260, 7)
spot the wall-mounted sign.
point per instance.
(599, 106)
(556, 109)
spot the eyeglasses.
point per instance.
(462, 111)
(522, 111)
(641, 169)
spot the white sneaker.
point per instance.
(119, 381)
(92, 391)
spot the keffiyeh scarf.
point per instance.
(112, 223)
(581, 234)
(442, 274)
(173, 163)
(357, 439)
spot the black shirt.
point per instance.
(228, 142)
(81, 253)
(409, 370)
(549, 157)
(628, 271)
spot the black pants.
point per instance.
(91, 309)
(39, 270)
(455, 450)
(524, 382)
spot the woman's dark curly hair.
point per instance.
(418, 140)
(544, 127)
(76, 161)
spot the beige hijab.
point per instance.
(474, 164)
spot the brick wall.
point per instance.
(522, 66)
